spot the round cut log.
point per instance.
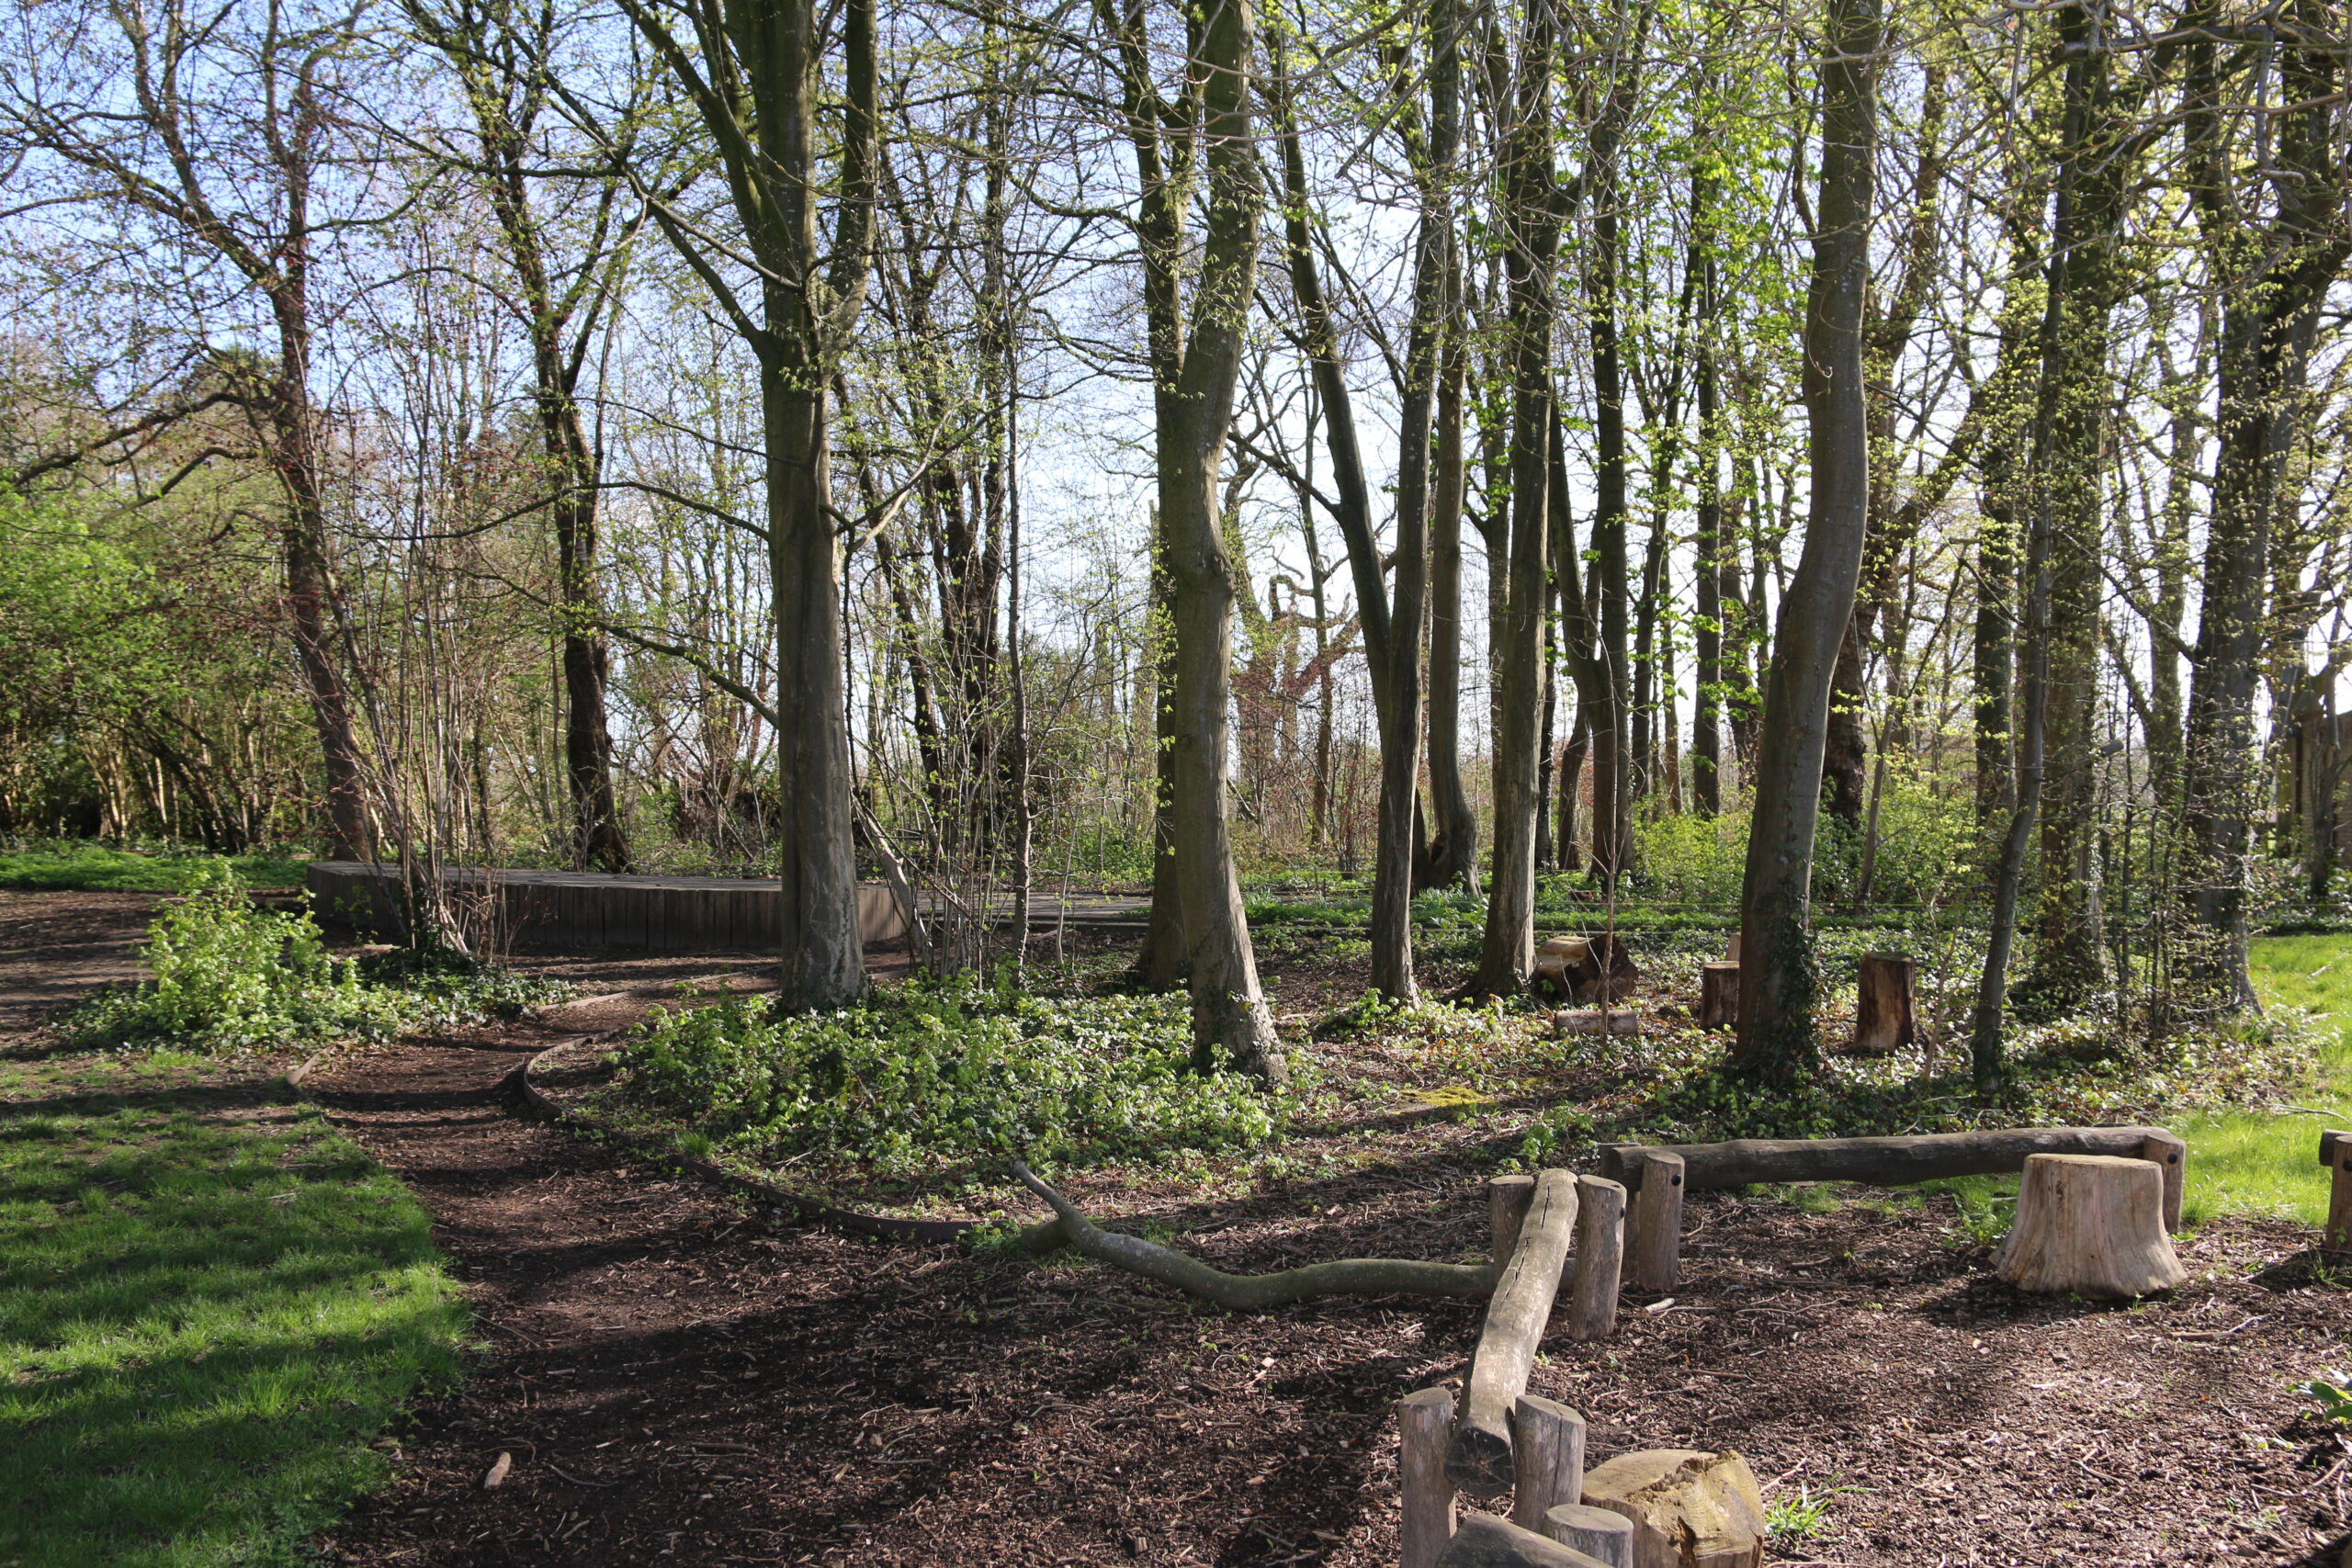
(1689, 1508)
(2093, 1225)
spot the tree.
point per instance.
(755, 79)
(217, 127)
(1778, 982)
(503, 57)
(1195, 353)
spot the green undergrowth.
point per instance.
(84, 867)
(210, 1304)
(942, 1082)
(229, 975)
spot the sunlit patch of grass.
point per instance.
(210, 1304)
(2255, 1162)
(94, 868)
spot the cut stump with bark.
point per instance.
(2093, 1225)
(1587, 969)
(1719, 996)
(1689, 1508)
(1886, 1017)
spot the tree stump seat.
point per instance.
(2093, 1225)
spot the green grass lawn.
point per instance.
(93, 868)
(211, 1303)
(2255, 1162)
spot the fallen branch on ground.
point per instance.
(1260, 1292)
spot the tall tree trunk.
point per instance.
(754, 85)
(1196, 358)
(1778, 982)
(2272, 279)
(1507, 947)
(1454, 846)
(1708, 544)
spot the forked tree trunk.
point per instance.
(1778, 982)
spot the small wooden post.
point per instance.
(1654, 1242)
(1424, 1426)
(1719, 996)
(1732, 956)
(1547, 1440)
(2335, 1153)
(1601, 1259)
(1507, 1201)
(1887, 1016)
(1601, 1534)
(2170, 1155)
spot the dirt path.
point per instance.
(672, 1380)
(675, 1380)
(57, 947)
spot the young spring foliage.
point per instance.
(231, 974)
(925, 1076)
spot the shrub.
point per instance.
(926, 1075)
(231, 974)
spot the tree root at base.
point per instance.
(1260, 1292)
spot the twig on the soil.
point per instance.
(1260, 1292)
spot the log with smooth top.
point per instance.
(1619, 1022)
(1601, 1534)
(1424, 1426)
(1654, 1228)
(1479, 1462)
(1601, 1259)
(2093, 1225)
(1547, 1451)
(1507, 1201)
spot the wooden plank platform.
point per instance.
(581, 911)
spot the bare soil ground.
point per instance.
(677, 1379)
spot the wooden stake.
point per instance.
(1601, 1259)
(1654, 1238)
(1479, 1462)
(2335, 1153)
(1719, 996)
(2170, 1154)
(1507, 1201)
(1732, 956)
(1424, 1425)
(1887, 1016)
(1547, 1451)
(1601, 1534)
